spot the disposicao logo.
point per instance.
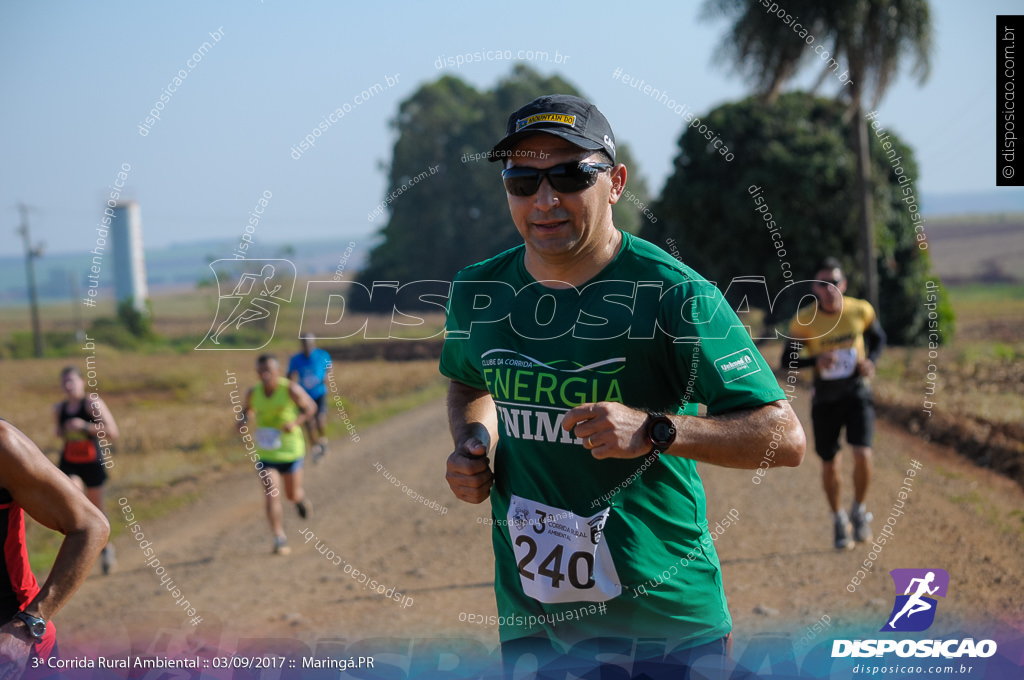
(914, 611)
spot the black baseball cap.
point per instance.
(562, 115)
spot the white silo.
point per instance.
(129, 256)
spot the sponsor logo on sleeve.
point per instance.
(737, 365)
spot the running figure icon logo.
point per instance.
(914, 610)
(257, 290)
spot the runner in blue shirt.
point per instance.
(309, 369)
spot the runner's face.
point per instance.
(559, 225)
(74, 386)
(831, 296)
(269, 371)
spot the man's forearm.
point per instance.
(49, 497)
(742, 439)
(74, 561)
(875, 339)
(471, 413)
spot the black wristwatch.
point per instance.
(36, 626)
(661, 432)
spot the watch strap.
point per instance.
(33, 624)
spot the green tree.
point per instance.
(131, 329)
(871, 38)
(797, 153)
(458, 214)
(137, 322)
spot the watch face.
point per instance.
(662, 433)
(36, 626)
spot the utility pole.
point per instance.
(867, 226)
(30, 256)
(76, 306)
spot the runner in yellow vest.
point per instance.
(841, 337)
(280, 407)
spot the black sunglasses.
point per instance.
(825, 282)
(566, 178)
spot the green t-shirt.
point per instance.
(562, 541)
(273, 444)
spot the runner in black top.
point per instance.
(85, 424)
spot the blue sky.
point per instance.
(78, 79)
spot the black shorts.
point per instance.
(584, 662)
(855, 411)
(321, 404)
(286, 468)
(93, 474)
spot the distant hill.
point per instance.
(982, 248)
(1003, 200)
(174, 267)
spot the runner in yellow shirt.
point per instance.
(280, 407)
(841, 338)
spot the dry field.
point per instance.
(174, 413)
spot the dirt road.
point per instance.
(781, 573)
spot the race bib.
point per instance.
(80, 451)
(561, 557)
(310, 381)
(844, 365)
(268, 438)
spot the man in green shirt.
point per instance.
(577, 360)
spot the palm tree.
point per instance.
(870, 38)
